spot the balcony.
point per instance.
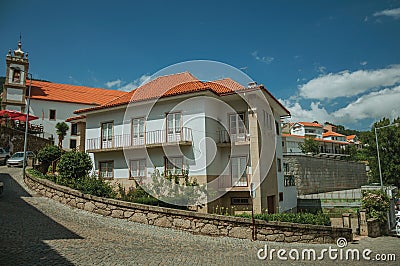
(226, 139)
(148, 139)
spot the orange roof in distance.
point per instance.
(332, 134)
(310, 124)
(49, 91)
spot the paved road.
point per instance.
(38, 231)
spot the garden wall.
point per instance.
(194, 222)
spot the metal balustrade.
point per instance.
(156, 137)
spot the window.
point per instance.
(138, 169)
(174, 166)
(279, 163)
(52, 114)
(238, 171)
(72, 144)
(138, 131)
(237, 129)
(286, 168)
(107, 135)
(280, 196)
(106, 169)
(74, 129)
(268, 120)
(277, 127)
(289, 181)
(240, 201)
(174, 124)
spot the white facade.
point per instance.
(204, 121)
(63, 110)
(305, 130)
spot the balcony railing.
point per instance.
(226, 137)
(148, 138)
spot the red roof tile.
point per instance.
(310, 124)
(317, 139)
(73, 118)
(176, 84)
(49, 91)
(332, 134)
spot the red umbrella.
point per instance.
(10, 113)
(22, 118)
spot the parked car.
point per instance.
(18, 158)
(4, 155)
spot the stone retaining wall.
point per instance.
(197, 223)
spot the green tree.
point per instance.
(74, 165)
(61, 130)
(309, 145)
(47, 155)
(389, 151)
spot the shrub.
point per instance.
(47, 155)
(376, 203)
(74, 165)
(94, 186)
(300, 218)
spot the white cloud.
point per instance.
(346, 83)
(394, 13)
(375, 105)
(314, 113)
(114, 83)
(364, 63)
(383, 103)
(263, 59)
(128, 86)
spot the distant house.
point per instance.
(354, 140)
(307, 129)
(330, 143)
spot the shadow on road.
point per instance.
(23, 229)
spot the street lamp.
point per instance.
(377, 149)
(26, 120)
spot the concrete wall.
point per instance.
(315, 175)
(194, 222)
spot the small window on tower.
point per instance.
(52, 115)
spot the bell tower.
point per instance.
(14, 88)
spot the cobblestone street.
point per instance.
(39, 231)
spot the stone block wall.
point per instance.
(194, 222)
(17, 139)
(318, 175)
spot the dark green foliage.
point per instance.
(94, 186)
(389, 151)
(74, 165)
(47, 155)
(309, 145)
(300, 218)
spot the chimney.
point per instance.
(252, 85)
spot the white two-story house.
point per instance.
(223, 133)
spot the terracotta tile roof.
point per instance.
(175, 84)
(73, 118)
(332, 134)
(351, 137)
(49, 91)
(310, 124)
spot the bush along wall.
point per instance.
(198, 223)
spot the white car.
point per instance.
(17, 159)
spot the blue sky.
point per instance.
(336, 61)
